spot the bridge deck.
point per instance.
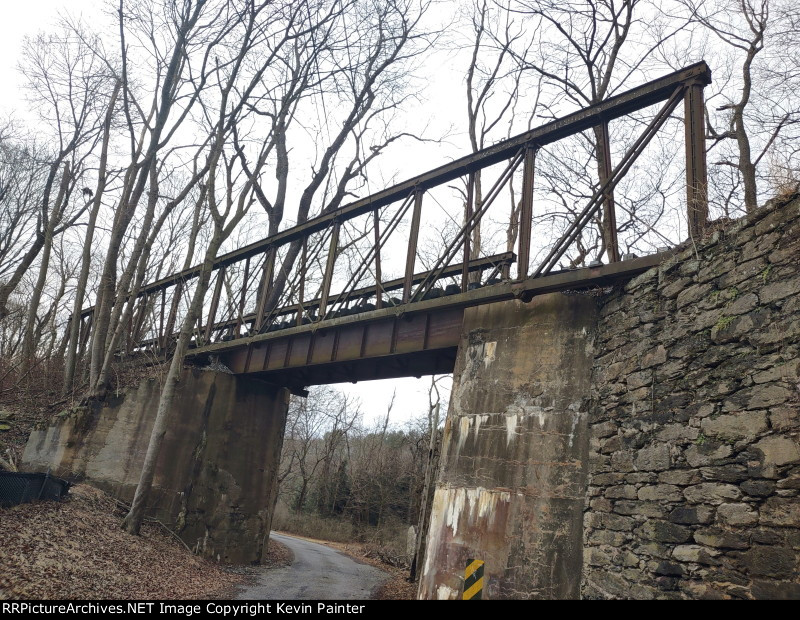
(404, 341)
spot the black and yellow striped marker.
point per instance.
(473, 580)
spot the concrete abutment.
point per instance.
(512, 478)
(216, 477)
(642, 444)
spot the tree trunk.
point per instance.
(11, 285)
(746, 167)
(108, 280)
(80, 295)
(301, 497)
(428, 489)
(126, 295)
(86, 258)
(133, 519)
(29, 340)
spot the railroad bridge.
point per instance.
(313, 305)
(310, 305)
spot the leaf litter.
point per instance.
(77, 549)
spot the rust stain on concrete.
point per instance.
(512, 481)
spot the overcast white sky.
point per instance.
(27, 18)
(23, 19)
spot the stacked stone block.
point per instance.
(694, 463)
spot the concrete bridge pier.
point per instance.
(216, 476)
(512, 480)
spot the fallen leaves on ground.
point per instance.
(76, 549)
(278, 555)
(398, 588)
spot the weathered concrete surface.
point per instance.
(512, 482)
(215, 480)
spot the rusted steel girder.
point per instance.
(389, 286)
(424, 334)
(526, 213)
(276, 295)
(429, 333)
(480, 264)
(597, 200)
(696, 175)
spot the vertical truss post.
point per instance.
(609, 208)
(526, 213)
(467, 237)
(266, 287)
(411, 256)
(378, 287)
(596, 202)
(301, 293)
(696, 179)
(138, 322)
(326, 282)
(212, 313)
(240, 317)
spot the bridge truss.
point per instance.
(276, 299)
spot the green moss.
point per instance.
(728, 294)
(82, 417)
(723, 322)
(701, 439)
(64, 414)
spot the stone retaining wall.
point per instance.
(694, 459)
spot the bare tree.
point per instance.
(68, 89)
(317, 429)
(227, 194)
(182, 28)
(86, 256)
(495, 81)
(21, 179)
(759, 107)
(585, 51)
(359, 66)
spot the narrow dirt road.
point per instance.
(318, 572)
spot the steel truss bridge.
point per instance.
(287, 316)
